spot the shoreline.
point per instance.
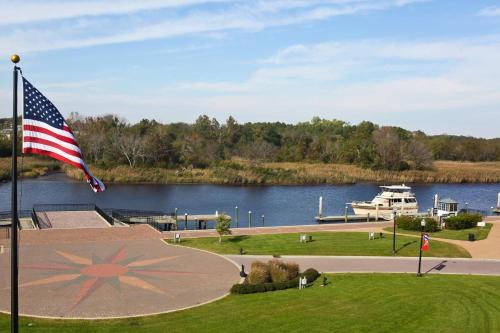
(245, 173)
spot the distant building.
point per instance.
(447, 207)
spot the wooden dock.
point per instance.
(168, 222)
(349, 218)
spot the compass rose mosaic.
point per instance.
(105, 279)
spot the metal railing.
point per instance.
(64, 207)
(104, 215)
(43, 220)
(147, 217)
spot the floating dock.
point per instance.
(349, 218)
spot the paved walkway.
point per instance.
(488, 248)
(111, 272)
(358, 226)
(335, 264)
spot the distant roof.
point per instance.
(448, 201)
(397, 187)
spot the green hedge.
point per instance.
(463, 221)
(413, 223)
(311, 274)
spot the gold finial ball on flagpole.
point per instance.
(15, 58)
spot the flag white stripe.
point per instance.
(55, 151)
(48, 127)
(53, 139)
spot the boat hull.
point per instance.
(382, 212)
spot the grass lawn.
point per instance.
(351, 303)
(480, 232)
(324, 243)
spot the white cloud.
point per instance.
(490, 11)
(239, 15)
(432, 84)
(16, 12)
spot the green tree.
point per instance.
(223, 225)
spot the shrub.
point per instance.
(281, 271)
(463, 221)
(311, 274)
(248, 288)
(259, 273)
(413, 223)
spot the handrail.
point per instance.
(45, 222)
(105, 216)
(34, 218)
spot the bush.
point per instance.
(463, 221)
(311, 274)
(259, 273)
(248, 288)
(281, 271)
(413, 223)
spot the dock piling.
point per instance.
(320, 210)
(236, 215)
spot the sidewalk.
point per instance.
(334, 264)
(357, 226)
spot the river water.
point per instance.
(281, 205)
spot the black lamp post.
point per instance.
(393, 216)
(422, 224)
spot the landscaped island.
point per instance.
(324, 243)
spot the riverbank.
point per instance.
(240, 172)
(30, 167)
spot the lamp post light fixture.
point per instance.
(185, 221)
(422, 224)
(249, 218)
(262, 219)
(345, 213)
(393, 217)
(467, 207)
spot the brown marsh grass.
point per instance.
(245, 172)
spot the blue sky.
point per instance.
(431, 65)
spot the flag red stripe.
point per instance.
(46, 131)
(54, 155)
(53, 144)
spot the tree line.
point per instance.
(108, 141)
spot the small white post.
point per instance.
(320, 211)
(498, 201)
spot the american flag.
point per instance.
(45, 132)
(425, 245)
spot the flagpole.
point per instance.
(14, 298)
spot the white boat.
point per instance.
(394, 198)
